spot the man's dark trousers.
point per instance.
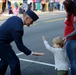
(8, 57)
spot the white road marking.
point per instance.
(32, 61)
(37, 62)
(19, 53)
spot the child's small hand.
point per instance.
(43, 38)
(37, 54)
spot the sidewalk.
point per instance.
(6, 16)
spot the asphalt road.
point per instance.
(50, 25)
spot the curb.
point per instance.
(2, 17)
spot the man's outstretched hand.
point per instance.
(37, 54)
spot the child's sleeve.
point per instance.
(49, 47)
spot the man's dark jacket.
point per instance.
(12, 30)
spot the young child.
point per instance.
(21, 9)
(10, 11)
(61, 62)
(16, 10)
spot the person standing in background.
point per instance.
(25, 4)
(3, 6)
(16, 4)
(29, 2)
(47, 5)
(61, 5)
(57, 4)
(38, 5)
(9, 5)
(51, 5)
(34, 4)
(43, 3)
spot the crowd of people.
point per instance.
(35, 5)
(45, 5)
(12, 10)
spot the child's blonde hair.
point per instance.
(59, 41)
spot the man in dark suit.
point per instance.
(12, 30)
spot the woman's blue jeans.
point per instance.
(71, 52)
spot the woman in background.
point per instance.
(69, 30)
